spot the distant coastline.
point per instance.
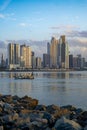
(41, 70)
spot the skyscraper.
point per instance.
(59, 53)
(38, 62)
(53, 52)
(25, 52)
(63, 53)
(46, 60)
(48, 48)
(70, 61)
(13, 55)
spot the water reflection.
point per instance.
(59, 88)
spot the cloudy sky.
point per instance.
(38, 20)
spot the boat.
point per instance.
(24, 76)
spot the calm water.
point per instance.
(59, 88)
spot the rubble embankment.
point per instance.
(26, 114)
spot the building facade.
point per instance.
(46, 60)
(38, 63)
(13, 55)
(59, 53)
(53, 53)
(25, 56)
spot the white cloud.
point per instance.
(23, 24)
(8, 16)
(2, 16)
(65, 27)
(78, 46)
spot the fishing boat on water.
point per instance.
(24, 76)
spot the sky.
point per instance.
(39, 20)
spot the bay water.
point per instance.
(59, 88)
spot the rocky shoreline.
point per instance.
(26, 114)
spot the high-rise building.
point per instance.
(53, 53)
(33, 59)
(79, 60)
(25, 53)
(66, 56)
(59, 53)
(2, 61)
(46, 60)
(38, 62)
(48, 48)
(70, 61)
(82, 62)
(63, 53)
(13, 55)
(75, 62)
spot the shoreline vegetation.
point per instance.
(25, 113)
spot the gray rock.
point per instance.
(69, 107)
(50, 118)
(40, 107)
(1, 128)
(65, 124)
(85, 128)
(15, 116)
(1, 103)
(22, 120)
(7, 106)
(7, 118)
(52, 108)
(82, 119)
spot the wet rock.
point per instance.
(65, 124)
(85, 128)
(40, 107)
(82, 119)
(6, 98)
(7, 118)
(62, 112)
(52, 108)
(35, 115)
(7, 108)
(25, 114)
(28, 102)
(22, 120)
(1, 109)
(50, 118)
(69, 107)
(25, 111)
(1, 128)
(16, 98)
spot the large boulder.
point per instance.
(82, 119)
(65, 124)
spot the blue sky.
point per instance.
(39, 20)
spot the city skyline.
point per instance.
(57, 56)
(36, 20)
